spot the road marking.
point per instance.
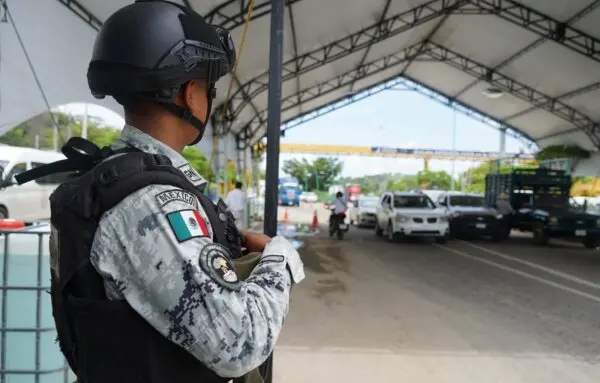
(534, 265)
(523, 274)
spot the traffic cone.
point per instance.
(315, 222)
(285, 215)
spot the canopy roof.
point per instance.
(543, 55)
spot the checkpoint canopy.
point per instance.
(530, 66)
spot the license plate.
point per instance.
(480, 225)
(343, 226)
(580, 233)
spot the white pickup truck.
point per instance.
(408, 214)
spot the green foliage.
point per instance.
(316, 175)
(199, 162)
(23, 135)
(473, 180)
(405, 183)
(439, 180)
(562, 151)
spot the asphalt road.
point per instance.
(373, 311)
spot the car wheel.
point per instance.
(3, 212)
(539, 236)
(391, 235)
(591, 243)
(378, 231)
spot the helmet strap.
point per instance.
(187, 115)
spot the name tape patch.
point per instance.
(190, 173)
(187, 224)
(177, 195)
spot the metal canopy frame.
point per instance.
(231, 14)
(340, 48)
(388, 26)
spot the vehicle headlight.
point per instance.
(443, 219)
(552, 220)
(499, 216)
(401, 218)
(455, 214)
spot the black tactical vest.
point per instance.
(106, 341)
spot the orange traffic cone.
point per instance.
(285, 215)
(315, 222)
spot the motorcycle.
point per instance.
(337, 224)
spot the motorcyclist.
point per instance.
(338, 212)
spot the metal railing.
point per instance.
(28, 351)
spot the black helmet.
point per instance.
(339, 194)
(149, 49)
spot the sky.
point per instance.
(391, 119)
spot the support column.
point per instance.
(84, 126)
(502, 147)
(274, 116)
(273, 134)
(453, 147)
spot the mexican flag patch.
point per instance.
(187, 224)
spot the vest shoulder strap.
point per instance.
(125, 174)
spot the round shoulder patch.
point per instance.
(215, 260)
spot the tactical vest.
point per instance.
(106, 341)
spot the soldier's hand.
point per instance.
(255, 242)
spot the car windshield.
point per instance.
(466, 200)
(417, 201)
(371, 202)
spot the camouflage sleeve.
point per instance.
(155, 250)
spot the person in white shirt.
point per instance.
(236, 201)
(338, 207)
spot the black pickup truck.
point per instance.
(541, 202)
(470, 218)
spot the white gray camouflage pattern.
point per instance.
(231, 330)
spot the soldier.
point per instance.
(143, 285)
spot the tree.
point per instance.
(298, 169)
(199, 162)
(316, 175)
(428, 179)
(473, 180)
(324, 170)
(23, 135)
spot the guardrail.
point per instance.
(28, 351)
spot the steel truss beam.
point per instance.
(382, 17)
(521, 91)
(250, 132)
(543, 25)
(523, 51)
(82, 13)
(338, 49)
(336, 83)
(232, 13)
(398, 83)
(562, 97)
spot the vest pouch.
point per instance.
(116, 345)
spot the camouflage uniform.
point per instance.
(188, 289)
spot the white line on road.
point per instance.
(523, 274)
(534, 265)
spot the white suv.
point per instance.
(406, 214)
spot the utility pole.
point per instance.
(84, 126)
(453, 146)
